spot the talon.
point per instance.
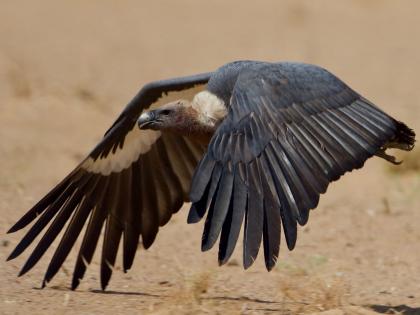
(390, 158)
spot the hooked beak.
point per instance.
(146, 119)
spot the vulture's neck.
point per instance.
(201, 117)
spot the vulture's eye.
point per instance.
(165, 112)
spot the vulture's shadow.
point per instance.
(266, 306)
(399, 309)
(240, 298)
(111, 292)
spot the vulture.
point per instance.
(252, 144)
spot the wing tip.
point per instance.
(291, 245)
(193, 216)
(270, 263)
(248, 261)
(223, 260)
(206, 245)
(12, 255)
(104, 285)
(196, 212)
(24, 270)
(75, 283)
(30, 263)
(22, 222)
(14, 228)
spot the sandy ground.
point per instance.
(68, 68)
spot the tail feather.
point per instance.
(403, 139)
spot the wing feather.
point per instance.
(93, 230)
(113, 231)
(221, 207)
(291, 129)
(232, 225)
(150, 217)
(133, 181)
(133, 223)
(254, 216)
(272, 221)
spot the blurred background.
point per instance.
(68, 68)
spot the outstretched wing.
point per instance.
(291, 129)
(132, 182)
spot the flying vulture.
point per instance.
(252, 142)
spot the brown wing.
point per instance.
(131, 182)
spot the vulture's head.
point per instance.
(169, 116)
(200, 116)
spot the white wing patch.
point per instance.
(172, 96)
(136, 142)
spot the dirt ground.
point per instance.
(68, 68)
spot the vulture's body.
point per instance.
(253, 142)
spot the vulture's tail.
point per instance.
(403, 139)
